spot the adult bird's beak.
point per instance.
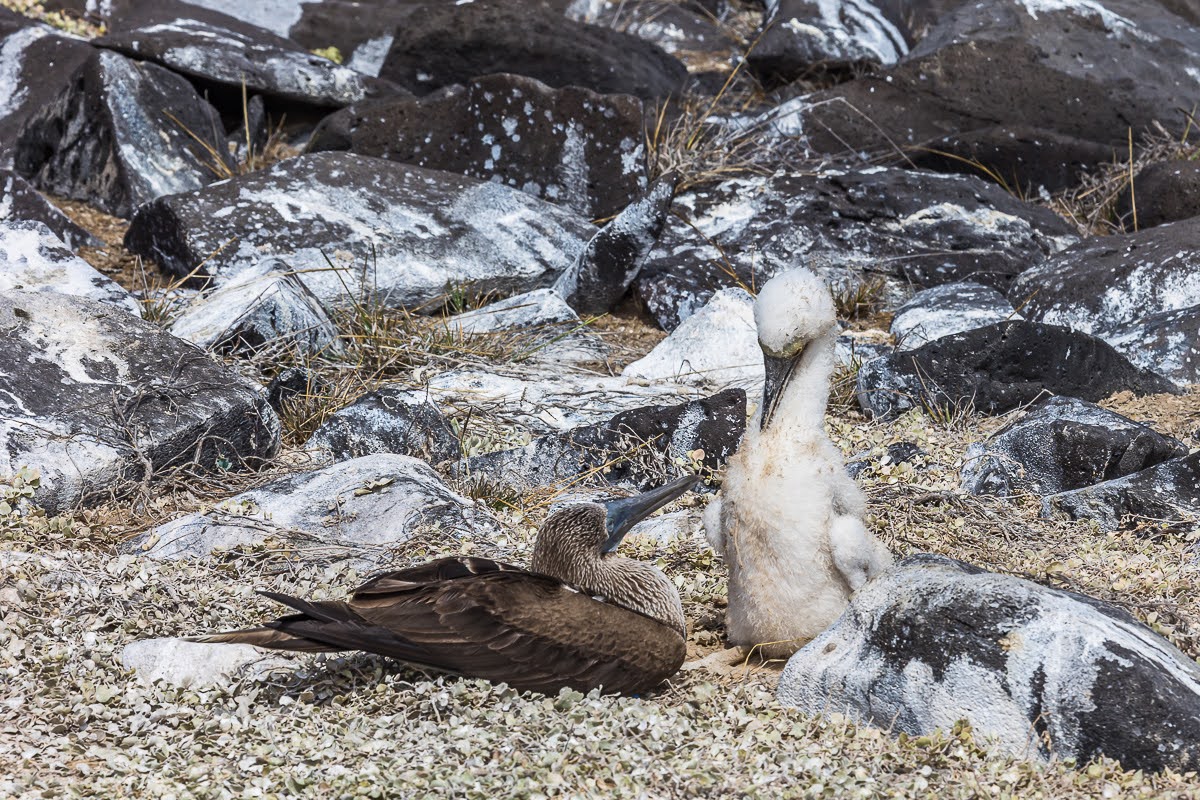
(623, 514)
(779, 372)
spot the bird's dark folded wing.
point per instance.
(530, 631)
(444, 569)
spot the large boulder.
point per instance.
(1000, 367)
(635, 448)
(362, 229)
(1029, 93)
(571, 146)
(1140, 292)
(1040, 671)
(221, 51)
(354, 509)
(453, 43)
(912, 227)
(1168, 492)
(121, 134)
(1063, 443)
(21, 202)
(95, 399)
(37, 64)
(33, 259)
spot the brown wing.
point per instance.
(444, 569)
(525, 629)
(273, 636)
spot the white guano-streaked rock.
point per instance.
(364, 230)
(947, 309)
(33, 259)
(265, 305)
(716, 345)
(354, 509)
(1041, 672)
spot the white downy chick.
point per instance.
(789, 521)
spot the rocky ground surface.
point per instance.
(291, 296)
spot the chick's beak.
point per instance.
(778, 373)
(626, 512)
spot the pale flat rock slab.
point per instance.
(395, 234)
(540, 307)
(354, 509)
(554, 332)
(33, 259)
(92, 397)
(195, 665)
(1042, 672)
(716, 345)
(638, 449)
(265, 306)
(544, 399)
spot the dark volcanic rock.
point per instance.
(121, 134)
(395, 234)
(292, 384)
(265, 308)
(33, 259)
(1063, 443)
(612, 259)
(361, 31)
(946, 309)
(674, 27)
(1000, 367)
(1140, 292)
(918, 227)
(572, 146)
(448, 44)
(93, 397)
(226, 52)
(1166, 191)
(637, 446)
(388, 420)
(1167, 492)
(801, 37)
(1041, 671)
(35, 65)
(19, 201)
(1037, 91)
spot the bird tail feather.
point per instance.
(269, 638)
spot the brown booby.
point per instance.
(789, 521)
(581, 617)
